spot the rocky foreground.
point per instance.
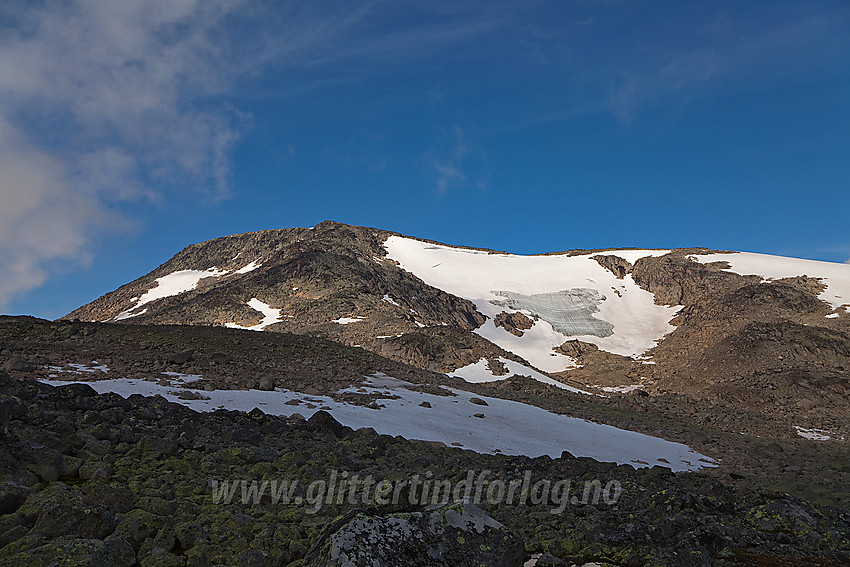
(101, 480)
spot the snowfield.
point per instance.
(574, 292)
(506, 427)
(835, 276)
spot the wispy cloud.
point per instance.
(449, 167)
(732, 57)
(98, 106)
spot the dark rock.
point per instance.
(782, 516)
(17, 364)
(253, 558)
(160, 557)
(514, 323)
(266, 382)
(59, 510)
(77, 391)
(477, 401)
(111, 552)
(11, 497)
(182, 357)
(324, 421)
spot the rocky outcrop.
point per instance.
(460, 534)
(614, 264)
(514, 322)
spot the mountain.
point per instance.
(225, 408)
(764, 338)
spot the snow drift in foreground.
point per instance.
(574, 293)
(500, 426)
(835, 276)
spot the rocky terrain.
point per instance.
(102, 480)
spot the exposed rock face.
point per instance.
(515, 322)
(576, 348)
(676, 280)
(616, 265)
(497, 367)
(461, 534)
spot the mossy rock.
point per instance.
(74, 552)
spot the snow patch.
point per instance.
(128, 315)
(177, 283)
(814, 434)
(270, 316)
(510, 428)
(174, 283)
(347, 320)
(76, 368)
(478, 372)
(390, 300)
(637, 323)
(249, 268)
(621, 389)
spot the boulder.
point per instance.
(18, 364)
(458, 534)
(182, 357)
(266, 382)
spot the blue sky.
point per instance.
(130, 130)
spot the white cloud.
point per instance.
(98, 104)
(105, 102)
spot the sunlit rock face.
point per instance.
(569, 311)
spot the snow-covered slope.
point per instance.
(835, 276)
(570, 296)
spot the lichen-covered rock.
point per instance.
(460, 534)
(74, 552)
